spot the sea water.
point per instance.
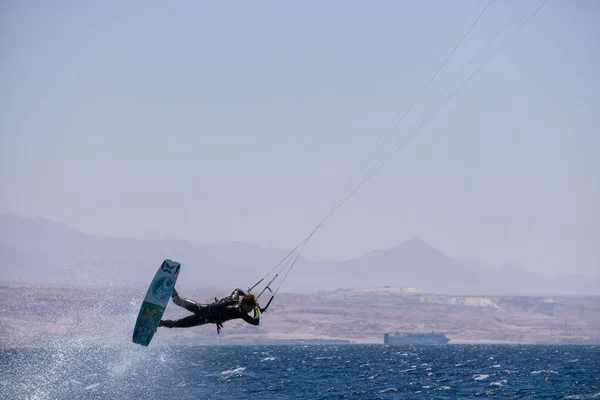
(302, 372)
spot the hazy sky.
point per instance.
(223, 121)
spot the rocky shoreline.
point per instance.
(66, 316)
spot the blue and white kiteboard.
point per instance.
(155, 302)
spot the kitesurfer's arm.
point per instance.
(252, 320)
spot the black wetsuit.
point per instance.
(215, 313)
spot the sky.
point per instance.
(243, 121)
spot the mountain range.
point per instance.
(37, 250)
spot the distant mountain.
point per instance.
(416, 263)
(41, 251)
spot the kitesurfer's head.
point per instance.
(249, 302)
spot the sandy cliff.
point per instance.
(75, 315)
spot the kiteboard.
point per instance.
(155, 302)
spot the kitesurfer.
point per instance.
(237, 305)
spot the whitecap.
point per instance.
(92, 386)
(583, 396)
(233, 371)
(544, 371)
(407, 370)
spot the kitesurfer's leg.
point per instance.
(187, 322)
(188, 304)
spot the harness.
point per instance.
(214, 316)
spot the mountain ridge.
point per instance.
(38, 250)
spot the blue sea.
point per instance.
(302, 372)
